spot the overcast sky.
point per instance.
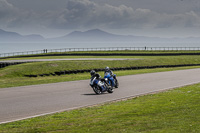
(51, 18)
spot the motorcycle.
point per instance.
(112, 80)
(99, 86)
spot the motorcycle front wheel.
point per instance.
(110, 89)
(97, 90)
(116, 83)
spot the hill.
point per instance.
(6, 36)
(97, 35)
(94, 35)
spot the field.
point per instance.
(175, 110)
(15, 75)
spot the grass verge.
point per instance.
(12, 76)
(6, 82)
(174, 111)
(53, 66)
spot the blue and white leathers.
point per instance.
(110, 78)
(99, 86)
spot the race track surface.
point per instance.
(30, 101)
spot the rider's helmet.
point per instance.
(107, 69)
(92, 72)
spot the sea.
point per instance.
(32, 46)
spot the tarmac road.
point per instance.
(30, 101)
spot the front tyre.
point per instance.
(116, 83)
(97, 90)
(110, 89)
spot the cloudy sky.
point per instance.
(52, 18)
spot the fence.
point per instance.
(100, 49)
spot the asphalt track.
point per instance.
(30, 101)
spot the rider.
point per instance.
(94, 74)
(107, 70)
(98, 77)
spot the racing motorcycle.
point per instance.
(100, 86)
(112, 80)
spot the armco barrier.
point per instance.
(64, 50)
(114, 69)
(110, 54)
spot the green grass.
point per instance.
(68, 57)
(176, 111)
(171, 111)
(14, 75)
(53, 66)
(6, 82)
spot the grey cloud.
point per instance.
(6, 10)
(188, 19)
(87, 14)
(10, 15)
(24, 19)
(84, 13)
(193, 20)
(5, 6)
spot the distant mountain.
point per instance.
(94, 35)
(97, 35)
(6, 36)
(34, 37)
(90, 35)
